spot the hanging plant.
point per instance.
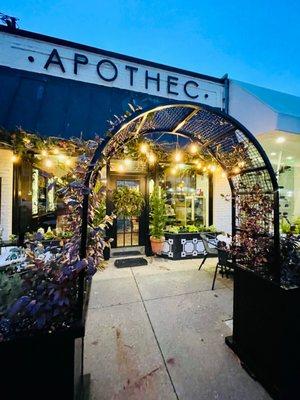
(128, 202)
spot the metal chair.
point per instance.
(224, 263)
(210, 247)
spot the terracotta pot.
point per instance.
(157, 244)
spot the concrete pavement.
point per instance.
(157, 333)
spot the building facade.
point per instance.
(53, 87)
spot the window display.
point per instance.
(187, 199)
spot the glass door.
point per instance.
(128, 228)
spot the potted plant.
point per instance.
(157, 219)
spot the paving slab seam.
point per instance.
(115, 305)
(156, 339)
(185, 293)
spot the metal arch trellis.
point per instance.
(219, 135)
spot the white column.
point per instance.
(6, 174)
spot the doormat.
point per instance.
(126, 253)
(130, 262)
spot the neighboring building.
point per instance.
(57, 88)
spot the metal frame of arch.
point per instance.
(217, 134)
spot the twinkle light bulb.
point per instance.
(144, 148)
(236, 170)
(151, 158)
(178, 156)
(193, 148)
(48, 163)
(61, 157)
(127, 161)
(121, 168)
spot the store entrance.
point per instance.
(129, 231)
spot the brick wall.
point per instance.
(222, 208)
(6, 173)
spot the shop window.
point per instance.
(187, 199)
(43, 192)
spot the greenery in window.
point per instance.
(128, 202)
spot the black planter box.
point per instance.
(180, 246)
(266, 333)
(45, 366)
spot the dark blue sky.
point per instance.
(255, 41)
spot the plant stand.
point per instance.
(266, 332)
(181, 246)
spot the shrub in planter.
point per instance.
(266, 314)
(157, 219)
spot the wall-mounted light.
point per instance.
(15, 158)
(280, 139)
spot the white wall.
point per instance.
(6, 173)
(222, 208)
(250, 111)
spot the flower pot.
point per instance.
(157, 244)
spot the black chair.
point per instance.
(210, 247)
(224, 263)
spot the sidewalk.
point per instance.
(157, 333)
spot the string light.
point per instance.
(193, 148)
(178, 156)
(44, 153)
(48, 163)
(61, 157)
(151, 158)
(236, 170)
(174, 170)
(55, 150)
(241, 164)
(224, 175)
(68, 162)
(127, 161)
(144, 148)
(212, 168)
(121, 168)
